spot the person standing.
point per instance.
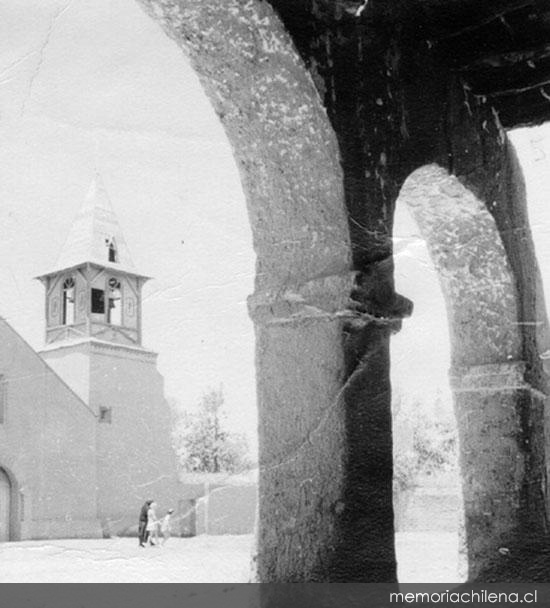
(142, 526)
(152, 528)
(165, 526)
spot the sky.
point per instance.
(95, 85)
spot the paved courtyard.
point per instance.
(424, 557)
(203, 559)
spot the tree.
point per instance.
(202, 443)
(426, 443)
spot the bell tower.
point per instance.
(93, 342)
(94, 291)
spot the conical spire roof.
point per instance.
(95, 230)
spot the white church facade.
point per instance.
(84, 424)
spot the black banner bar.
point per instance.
(267, 595)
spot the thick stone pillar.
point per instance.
(288, 158)
(498, 407)
(300, 371)
(495, 458)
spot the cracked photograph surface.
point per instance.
(273, 291)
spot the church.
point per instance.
(84, 424)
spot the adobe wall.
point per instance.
(135, 457)
(133, 449)
(229, 509)
(47, 446)
(71, 364)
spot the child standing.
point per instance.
(165, 526)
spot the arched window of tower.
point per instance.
(114, 310)
(113, 254)
(68, 301)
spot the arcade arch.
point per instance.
(427, 498)
(288, 158)
(486, 352)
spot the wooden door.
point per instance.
(5, 495)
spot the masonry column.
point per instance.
(288, 158)
(497, 404)
(496, 458)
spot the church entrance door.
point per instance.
(5, 495)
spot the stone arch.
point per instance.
(13, 510)
(288, 158)
(323, 405)
(487, 363)
(465, 244)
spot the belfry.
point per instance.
(94, 343)
(94, 291)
